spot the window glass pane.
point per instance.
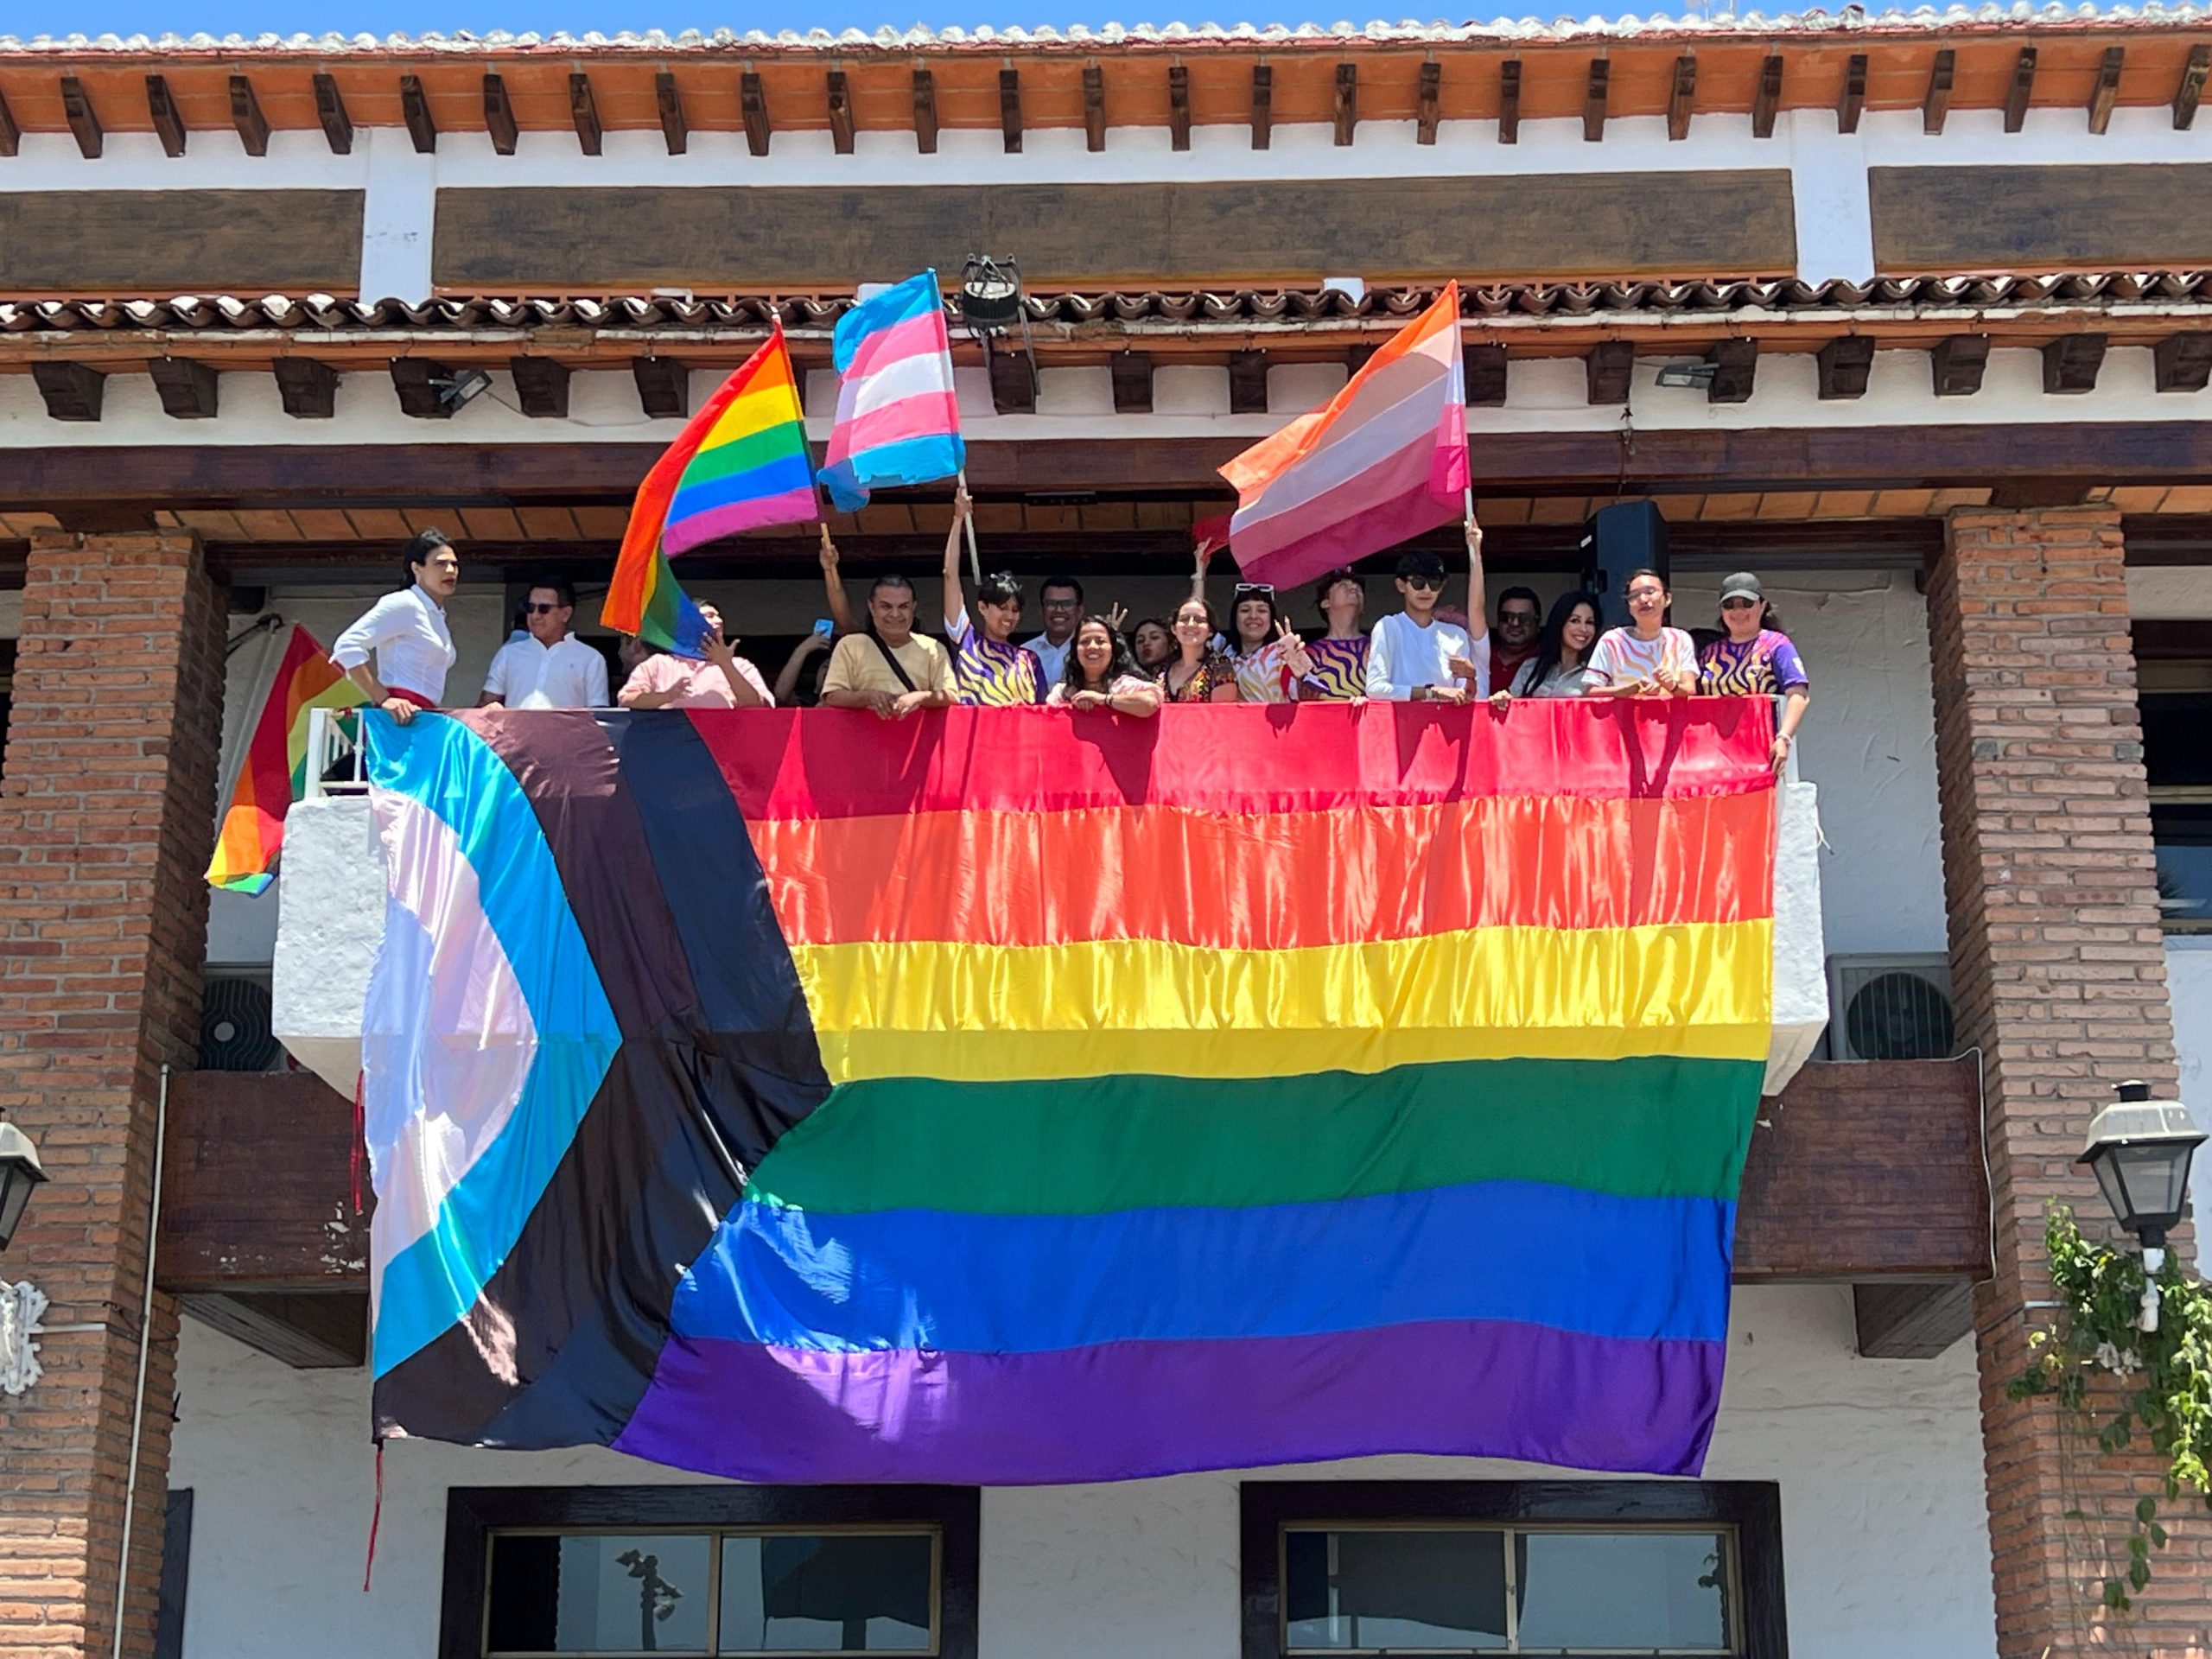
(612, 1593)
(829, 1593)
(2183, 838)
(1396, 1589)
(2174, 750)
(1646, 1591)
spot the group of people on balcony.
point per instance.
(1092, 661)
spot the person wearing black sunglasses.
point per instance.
(1754, 659)
(547, 667)
(1412, 657)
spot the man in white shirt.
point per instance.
(549, 667)
(1061, 598)
(1413, 657)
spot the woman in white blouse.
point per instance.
(407, 633)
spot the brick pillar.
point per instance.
(106, 822)
(2058, 969)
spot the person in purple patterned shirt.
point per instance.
(988, 667)
(1754, 659)
(1339, 656)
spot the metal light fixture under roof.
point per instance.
(20, 1173)
(2139, 1150)
(990, 301)
(462, 389)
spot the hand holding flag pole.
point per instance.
(975, 559)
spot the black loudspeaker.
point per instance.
(1618, 539)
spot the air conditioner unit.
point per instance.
(236, 1031)
(1891, 1008)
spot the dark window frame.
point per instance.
(475, 1513)
(1752, 1508)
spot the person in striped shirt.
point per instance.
(988, 668)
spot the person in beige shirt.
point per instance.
(860, 675)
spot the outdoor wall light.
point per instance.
(2139, 1149)
(20, 1173)
(990, 294)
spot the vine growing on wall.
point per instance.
(2162, 1391)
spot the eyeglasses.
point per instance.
(1427, 584)
(1739, 604)
(1528, 617)
(536, 609)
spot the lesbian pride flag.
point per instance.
(897, 420)
(1385, 459)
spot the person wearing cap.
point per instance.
(1412, 656)
(1754, 659)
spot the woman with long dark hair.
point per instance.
(406, 633)
(1560, 665)
(1198, 673)
(1267, 657)
(1153, 644)
(1101, 675)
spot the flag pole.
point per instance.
(975, 559)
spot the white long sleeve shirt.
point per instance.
(566, 675)
(1401, 654)
(406, 632)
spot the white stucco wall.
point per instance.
(1879, 1461)
(2188, 984)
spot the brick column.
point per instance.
(106, 822)
(2058, 969)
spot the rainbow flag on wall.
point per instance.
(740, 463)
(1385, 459)
(1377, 1082)
(275, 773)
(898, 420)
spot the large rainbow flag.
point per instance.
(991, 1097)
(275, 773)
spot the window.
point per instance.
(620, 1572)
(1560, 1568)
(2174, 678)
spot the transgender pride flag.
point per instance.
(897, 420)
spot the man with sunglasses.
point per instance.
(547, 667)
(1413, 657)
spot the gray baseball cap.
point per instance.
(1742, 585)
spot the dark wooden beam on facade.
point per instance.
(753, 102)
(1347, 102)
(924, 112)
(1426, 101)
(330, 109)
(2192, 90)
(309, 1330)
(1911, 1320)
(1845, 363)
(2106, 94)
(1593, 100)
(421, 398)
(415, 110)
(542, 388)
(162, 111)
(84, 119)
(2034, 494)
(1013, 383)
(1937, 104)
(1681, 102)
(669, 98)
(1735, 371)
(664, 387)
(309, 389)
(1768, 99)
(1509, 102)
(71, 391)
(1607, 370)
(1010, 110)
(2182, 362)
(1247, 383)
(1132, 383)
(583, 114)
(499, 116)
(1486, 367)
(841, 112)
(1852, 103)
(1264, 94)
(2023, 89)
(2071, 363)
(187, 389)
(1957, 363)
(1094, 108)
(11, 136)
(245, 114)
(1178, 107)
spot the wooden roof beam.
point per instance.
(840, 96)
(583, 114)
(1131, 373)
(1852, 103)
(1347, 102)
(1486, 367)
(664, 387)
(541, 387)
(168, 124)
(1845, 363)
(1010, 109)
(1735, 369)
(71, 391)
(330, 109)
(1957, 363)
(1013, 381)
(924, 112)
(1768, 99)
(1683, 100)
(2192, 87)
(2022, 88)
(247, 117)
(753, 99)
(1509, 101)
(188, 391)
(1178, 107)
(1264, 94)
(2106, 94)
(415, 110)
(1426, 111)
(11, 136)
(1094, 108)
(309, 389)
(2071, 363)
(85, 126)
(1594, 101)
(1937, 104)
(499, 115)
(674, 130)
(414, 379)
(1247, 383)
(1608, 368)
(2182, 363)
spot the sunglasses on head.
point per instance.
(1254, 590)
(1427, 584)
